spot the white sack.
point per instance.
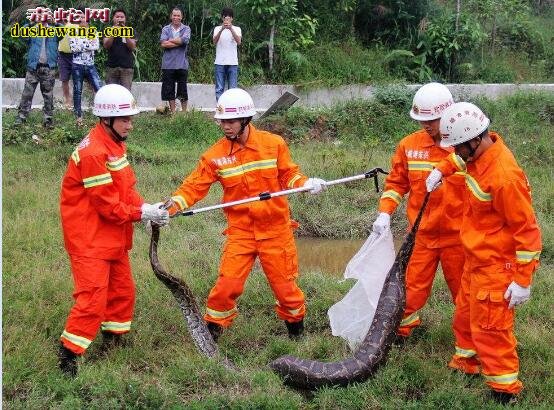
(351, 317)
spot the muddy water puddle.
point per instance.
(328, 255)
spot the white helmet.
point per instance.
(234, 103)
(114, 100)
(430, 101)
(462, 122)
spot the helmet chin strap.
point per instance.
(116, 134)
(470, 148)
(243, 124)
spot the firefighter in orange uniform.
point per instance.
(438, 237)
(502, 244)
(247, 162)
(98, 206)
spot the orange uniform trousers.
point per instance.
(420, 274)
(483, 326)
(279, 262)
(104, 293)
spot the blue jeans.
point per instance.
(225, 73)
(79, 72)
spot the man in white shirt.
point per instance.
(226, 39)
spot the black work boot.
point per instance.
(67, 361)
(504, 398)
(111, 340)
(48, 123)
(296, 329)
(215, 330)
(18, 121)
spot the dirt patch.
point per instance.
(322, 130)
(277, 127)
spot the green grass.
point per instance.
(160, 368)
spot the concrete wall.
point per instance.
(202, 96)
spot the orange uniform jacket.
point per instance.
(263, 165)
(414, 159)
(98, 198)
(499, 225)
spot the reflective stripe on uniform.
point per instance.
(459, 162)
(221, 314)
(527, 256)
(98, 180)
(502, 379)
(76, 340)
(465, 352)
(118, 164)
(180, 201)
(75, 157)
(421, 165)
(476, 190)
(414, 317)
(293, 312)
(116, 326)
(248, 167)
(391, 194)
(293, 180)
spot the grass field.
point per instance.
(160, 368)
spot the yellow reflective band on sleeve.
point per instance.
(502, 379)
(527, 256)
(116, 327)
(465, 352)
(421, 165)
(248, 167)
(221, 315)
(98, 180)
(180, 201)
(395, 196)
(118, 164)
(75, 156)
(459, 162)
(414, 317)
(76, 340)
(476, 190)
(293, 180)
(295, 311)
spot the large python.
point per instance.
(372, 352)
(182, 293)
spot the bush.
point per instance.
(394, 95)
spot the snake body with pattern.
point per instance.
(372, 352)
(184, 297)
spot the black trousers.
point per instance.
(169, 78)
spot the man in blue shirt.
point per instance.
(42, 61)
(174, 39)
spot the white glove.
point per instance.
(382, 223)
(517, 294)
(316, 185)
(155, 213)
(433, 180)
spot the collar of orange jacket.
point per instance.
(490, 155)
(105, 136)
(252, 142)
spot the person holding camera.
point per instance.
(226, 66)
(119, 67)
